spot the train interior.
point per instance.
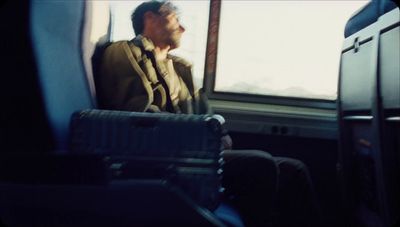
(351, 144)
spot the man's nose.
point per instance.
(181, 28)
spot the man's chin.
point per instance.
(175, 45)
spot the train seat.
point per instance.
(369, 115)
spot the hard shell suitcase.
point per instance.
(184, 150)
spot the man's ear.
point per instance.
(149, 17)
(149, 21)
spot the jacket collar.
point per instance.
(148, 45)
(145, 42)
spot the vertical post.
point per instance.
(212, 46)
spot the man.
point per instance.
(140, 75)
(154, 81)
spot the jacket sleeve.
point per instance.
(201, 105)
(199, 98)
(121, 84)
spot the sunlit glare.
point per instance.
(286, 48)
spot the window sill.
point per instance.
(309, 122)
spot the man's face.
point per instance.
(168, 29)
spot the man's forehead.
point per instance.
(168, 8)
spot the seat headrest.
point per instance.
(368, 15)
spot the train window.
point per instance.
(193, 16)
(281, 48)
(99, 19)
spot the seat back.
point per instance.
(368, 160)
(63, 47)
(46, 57)
(389, 110)
(23, 116)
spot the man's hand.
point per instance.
(226, 142)
(153, 109)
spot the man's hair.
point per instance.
(161, 7)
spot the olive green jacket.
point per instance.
(128, 81)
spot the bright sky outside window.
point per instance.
(283, 48)
(193, 16)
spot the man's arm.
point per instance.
(120, 85)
